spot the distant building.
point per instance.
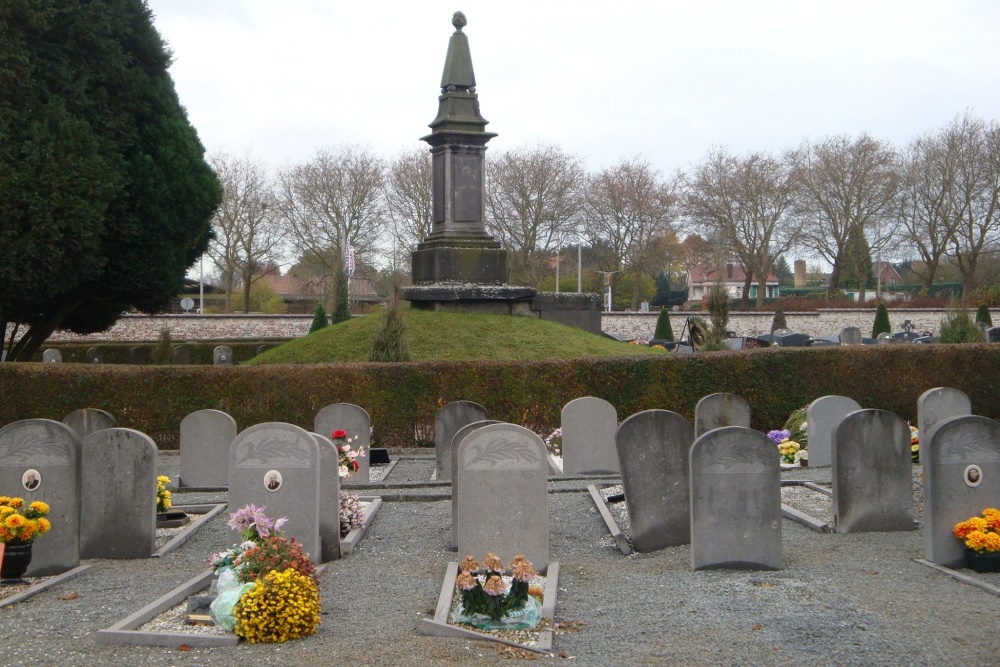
(701, 279)
(302, 298)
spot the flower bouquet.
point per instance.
(20, 524)
(163, 502)
(348, 457)
(981, 535)
(553, 442)
(787, 448)
(914, 444)
(491, 600)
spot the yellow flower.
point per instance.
(44, 525)
(40, 507)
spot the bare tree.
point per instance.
(745, 202)
(976, 195)
(847, 187)
(628, 209)
(409, 202)
(248, 234)
(331, 201)
(533, 196)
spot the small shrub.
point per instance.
(163, 353)
(779, 320)
(881, 324)
(389, 343)
(958, 327)
(663, 330)
(319, 319)
(983, 316)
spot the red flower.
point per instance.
(340, 433)
(354, 465)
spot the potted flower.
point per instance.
(165, 518)
(20, 524)
(787, 448)
(492, 600)
(981, 535)
(351, 512)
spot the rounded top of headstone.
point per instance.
(459, 21)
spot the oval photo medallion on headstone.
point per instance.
(973, 475)
(272, 480)
(31, 479)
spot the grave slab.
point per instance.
(447, 422)
(456, 440)
(934, 406)
(204, 449)
(719, 410)
(355, 420)
(89, 420)
(823, 416)
(588, 440)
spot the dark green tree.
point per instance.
(958, 327)
(389, 343)
(105, 195)
(319, 319)
(663, 330)
(983, 315)
(881, 324)
(778, 322)
(718, 306)
(341, 308)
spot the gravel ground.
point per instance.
(857, 599)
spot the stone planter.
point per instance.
(982, 562)
(16, 558)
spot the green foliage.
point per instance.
(881, 324)
(663, 330)
(341, 306)
(983, 315)
(319, 319)
(718, 304)
(390, 343)
(778, 322)
(105, 196)
(797, 426)
(958, 327)
(263, 299)
(163, 353)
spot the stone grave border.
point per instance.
(50, 582)
(125, 631)
(208, 512)
(609, 521)
(439, 626)
(961, 576)
(811, 522)
(175, 485)
(388, 469)
(350, 541)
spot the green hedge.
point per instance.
(403, 398)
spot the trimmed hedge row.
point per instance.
(403, 398)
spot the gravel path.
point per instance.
(856, 599)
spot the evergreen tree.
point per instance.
(958, 327)
(163, 353)
(319, 319)
(881, 324)
(389, 343)
(663, 330)
(341, 307)
(105, 195)
(718, 307)
(983, 316)
(779, 320)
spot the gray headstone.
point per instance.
(277, 466)
(355, 420)
(823, 416)
(94, 355)
(40, 460)
(735, 501)
(447, 421)
(588, 437)
(204, 448)
(261, 349)
(961, 479)
(503, 471)
(52, 356)
(182, 355)
(936, 405)
(118, 495)
(653, 448)
(89, 420)
(138, 356)
(850, 336)
(872, 473)
(993, 335)
(719, 410)
(222, 356)
(329, 499)
(459, 435)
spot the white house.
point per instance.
(700, 280)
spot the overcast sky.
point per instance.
(603, 79)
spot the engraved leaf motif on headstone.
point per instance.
(270, 450)
(36, 447)
(499, 452)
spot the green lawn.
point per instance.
(436, 336)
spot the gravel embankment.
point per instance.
(856, 599)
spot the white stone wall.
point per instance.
(146, 328)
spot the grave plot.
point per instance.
(13, 593)
(369, 506)
(809, 504)
(538, 640)
(610, 502)
(171, 537)
(986, 581)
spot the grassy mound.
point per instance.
(437, 336)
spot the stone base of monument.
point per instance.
(440, 625)
(468, 298)
(15, 594)
(621, 541)
(982, 581)
(198, 516)
(370, 506)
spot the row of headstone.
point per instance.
(221, 355)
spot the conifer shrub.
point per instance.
(881, 324)
(663, 329)
(319, 319)
(983, 316)
(958, 327)
(778, 322)
(389, 343)
(163, 353)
